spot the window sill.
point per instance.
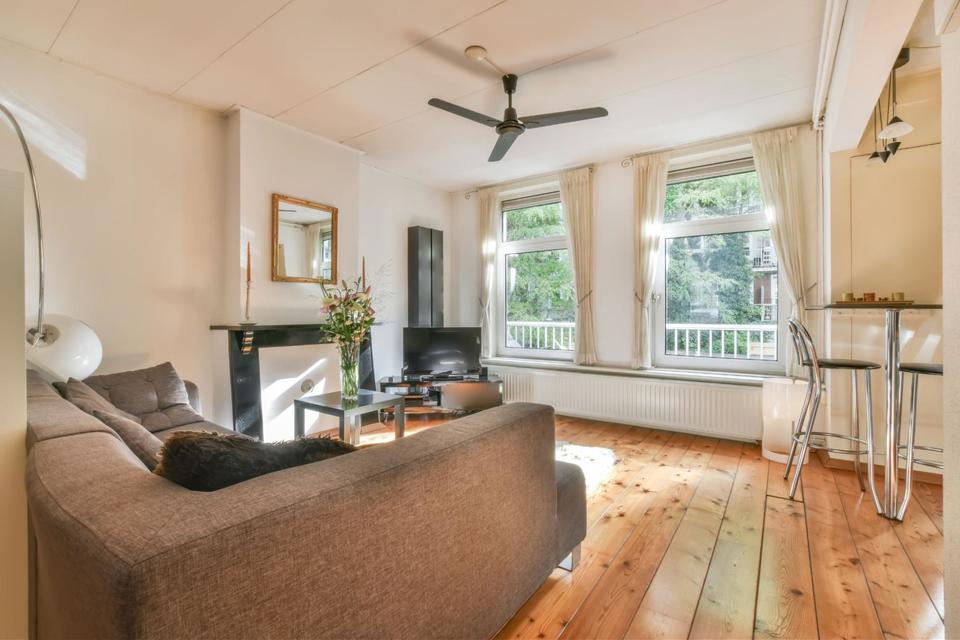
(713, 377)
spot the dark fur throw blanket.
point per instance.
(204, 461)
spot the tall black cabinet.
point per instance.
(424, 277)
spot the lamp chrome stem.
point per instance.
(34, 335)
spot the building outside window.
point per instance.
(536, 295)
(717, 291)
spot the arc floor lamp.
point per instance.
(58, 346)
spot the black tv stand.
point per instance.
(423, 392)
(431, 377)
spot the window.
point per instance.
(537, 300)
(717, 291)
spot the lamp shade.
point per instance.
(896, 128)
(875, 159)
(69, 349)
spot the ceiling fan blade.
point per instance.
(504, 142)
(463, 112)
(562, 117)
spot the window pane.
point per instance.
(541, 221)
(719, 197)
(721, 296)
(540, 301)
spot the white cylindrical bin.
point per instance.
(782, 401)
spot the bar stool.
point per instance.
(807, 356)
(915, 369)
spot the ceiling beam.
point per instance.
(872, 35)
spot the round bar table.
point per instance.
(888, 503)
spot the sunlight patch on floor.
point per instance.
(597, 463)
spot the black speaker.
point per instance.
(424, 277)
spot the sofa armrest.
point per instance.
(440, 534)
(193, 393)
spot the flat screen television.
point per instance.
(433, 350)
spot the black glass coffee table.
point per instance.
(348, 411)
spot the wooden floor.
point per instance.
(694, 537)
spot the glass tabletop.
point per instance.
(335, 400)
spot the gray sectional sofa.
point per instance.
(443, 534)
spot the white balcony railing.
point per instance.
(551, 336)
(750, 341)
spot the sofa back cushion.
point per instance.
(50, 416)
(88, 400)
(156, 395)
(144, 444)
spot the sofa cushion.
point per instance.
(198, 426)
(50, 415)
(157, 395)
(88, 400)
(144, 444)
(203, 461)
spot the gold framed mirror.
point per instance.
(304, 240)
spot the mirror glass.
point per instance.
(304, 240)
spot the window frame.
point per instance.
(546, 194)
(712, 226)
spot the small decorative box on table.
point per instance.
(348, 411)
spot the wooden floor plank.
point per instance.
(930, 498)
(903, 606)
(611, 605)
(923, 543)
(668, 607)
(555, 603)
(625, 464)
(638, 531)
(778, 486)
(726, 606)
(785, 599)
(843, 602)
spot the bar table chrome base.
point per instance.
(888, 507)
(887, 503)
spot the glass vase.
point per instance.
(349, 371)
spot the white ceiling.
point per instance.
(670, 72)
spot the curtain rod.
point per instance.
(530, 179)
(628, 161)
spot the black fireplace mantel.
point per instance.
(244, 342)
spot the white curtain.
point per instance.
(313, 255)
(489, 214)
(649, 191)
(576, 195)
(777, 159)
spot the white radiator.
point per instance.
(723, 410)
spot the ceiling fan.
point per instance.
(510, 128)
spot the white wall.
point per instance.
(950, 54)
(389, 205)
(374, 211)
(885, 226)
(13, 418)
(132, 186)
(464, 260)
(278, 158)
